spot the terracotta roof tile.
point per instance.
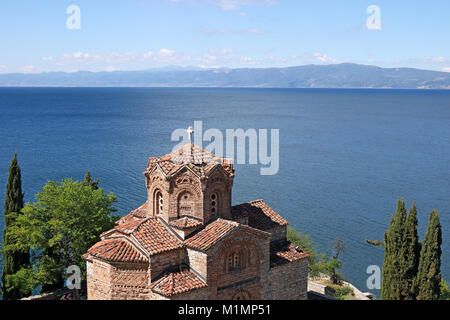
(116, 250)
(155, 238)
(140, 212)
(285, 252)
(197, 159)
(177, 282)
(215, 231)
(212, 233)
(129, 225)
(259, 214)
(185, 223)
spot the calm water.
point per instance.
(345, 155)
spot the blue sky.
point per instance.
(143, 34)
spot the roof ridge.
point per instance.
(256, 201)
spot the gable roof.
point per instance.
(140, 212)
(116, 250)
(198, 160)
(148, 234)
(260, 215)
(285, 252)
(215, 231)
(155, 238)
(173, 283)
(185, 223)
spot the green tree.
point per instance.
(318, 264)
(13, 259)
(411, 253)
(445, 291)
(89, 182)
(394, 257)
(64, 221)
(429, 273)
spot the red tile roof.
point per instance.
(140, 212)
(212, 233)
(177, 282)
(285, 252)
(199, 160)
(155, 238)
(185, 223)
(128, 225)
(116, 250)
(148, 232)
(259, 214)
(215, 231)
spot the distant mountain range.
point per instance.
(344, 75)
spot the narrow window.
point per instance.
(214, 203)
(159, 202)
(235, 261)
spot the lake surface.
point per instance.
(345, 155)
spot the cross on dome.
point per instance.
(190, 131)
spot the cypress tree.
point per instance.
(429, 271)
(386, 285)
(394, 257)
(12, 260)
(411, 256)
(89, 182)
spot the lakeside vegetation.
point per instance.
(412, 269)
(41, 239)
(54, 232)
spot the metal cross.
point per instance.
(190, 131)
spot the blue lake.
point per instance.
(345, 155)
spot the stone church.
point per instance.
(188, 242)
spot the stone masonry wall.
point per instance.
(288, 281)
(160, 262)
(224, 283)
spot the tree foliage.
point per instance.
(429, 272)
(411, 271)
(445, 290)
(88, 181)
(319, 264)
(13, 259)
(64, 221)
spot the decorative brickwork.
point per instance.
(187, 242)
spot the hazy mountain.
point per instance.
(311, 76)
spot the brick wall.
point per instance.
(160, 262)
(288, 281)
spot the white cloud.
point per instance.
(166, 52)
(47, 58)
(439, 59)
(210, 32)
(227, 5)
(28, 69)
(324, 58)
(446, 69)
(277, 59)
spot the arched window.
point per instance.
(214, 203)
(235, 261)
(159, 202)
(185, 204)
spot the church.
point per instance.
(187, 241)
